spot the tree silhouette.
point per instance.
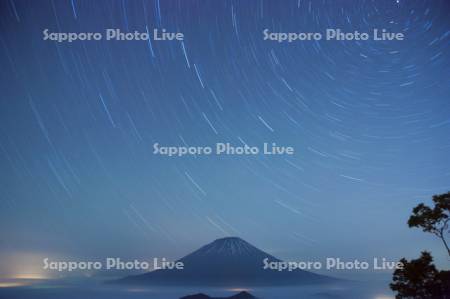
(419, 278)
(433, 220)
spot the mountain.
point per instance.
(241, 295)
(226, 262)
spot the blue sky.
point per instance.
(369, 122)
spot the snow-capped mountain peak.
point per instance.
(228, 246)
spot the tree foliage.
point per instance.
(419, 278)
(433, 220)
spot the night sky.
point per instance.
(369, 121)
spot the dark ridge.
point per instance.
(241, 295)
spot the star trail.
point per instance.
(369, 121)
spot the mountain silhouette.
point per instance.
(226, 262)
(241, 295)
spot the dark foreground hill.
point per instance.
(241, 295)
